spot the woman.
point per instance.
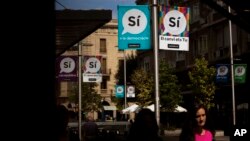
(197, 127)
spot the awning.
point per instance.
(178, 108)
(242, 106)
(74, 25)
(130, 109)
(109, 108)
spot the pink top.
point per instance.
(205, 137)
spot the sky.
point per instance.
(93, 4)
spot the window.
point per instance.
(202, 45)
(103, 48)
(195, 13)
(104, 65)
(104, 83)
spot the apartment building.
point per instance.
(102, 42)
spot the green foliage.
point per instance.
(202, 82)
(91, 101)
(170, 94)
(143, 87)
(132, 64)
(119, 102)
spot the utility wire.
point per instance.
(61, 4)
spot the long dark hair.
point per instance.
(188, 129)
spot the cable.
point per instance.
(61, 4)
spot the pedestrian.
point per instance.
(144, 127)
(90, 129)
(197, 126)
(62, 119)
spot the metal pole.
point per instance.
(155, 41)
(80, 90)
(125, 83)
(232, 67)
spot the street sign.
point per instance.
(174, 28)
(134, 27)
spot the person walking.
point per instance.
(90, 129)
(62, 119)
(197, 126)
(144, 127)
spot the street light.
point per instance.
(125, 81)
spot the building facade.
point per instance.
(103, 42)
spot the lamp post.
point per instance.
(125, 81)
(232, 67)
(80, 90)
(156, 66)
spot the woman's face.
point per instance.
(201, 117)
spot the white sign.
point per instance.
(130, 91)
(174, 29)
(92, 69)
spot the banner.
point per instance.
(66, 68)
(134, 27)
(222, 73)
(119, 91)
(174, 28)
(92, 69)
(240, 73)
(131, 91)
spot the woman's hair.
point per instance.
(187, 133)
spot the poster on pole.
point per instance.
(174, 28)
(240, 73)
(119, 91)
(134, 27)
(131, 91)
(66, 68)
(92, 69)
(222, 73)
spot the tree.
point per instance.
(202, 82)
(131, 63)
(91, 101)
(170, 95)
(143, 82)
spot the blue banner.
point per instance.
(134, 27)
(222, 73)
(119, 91)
